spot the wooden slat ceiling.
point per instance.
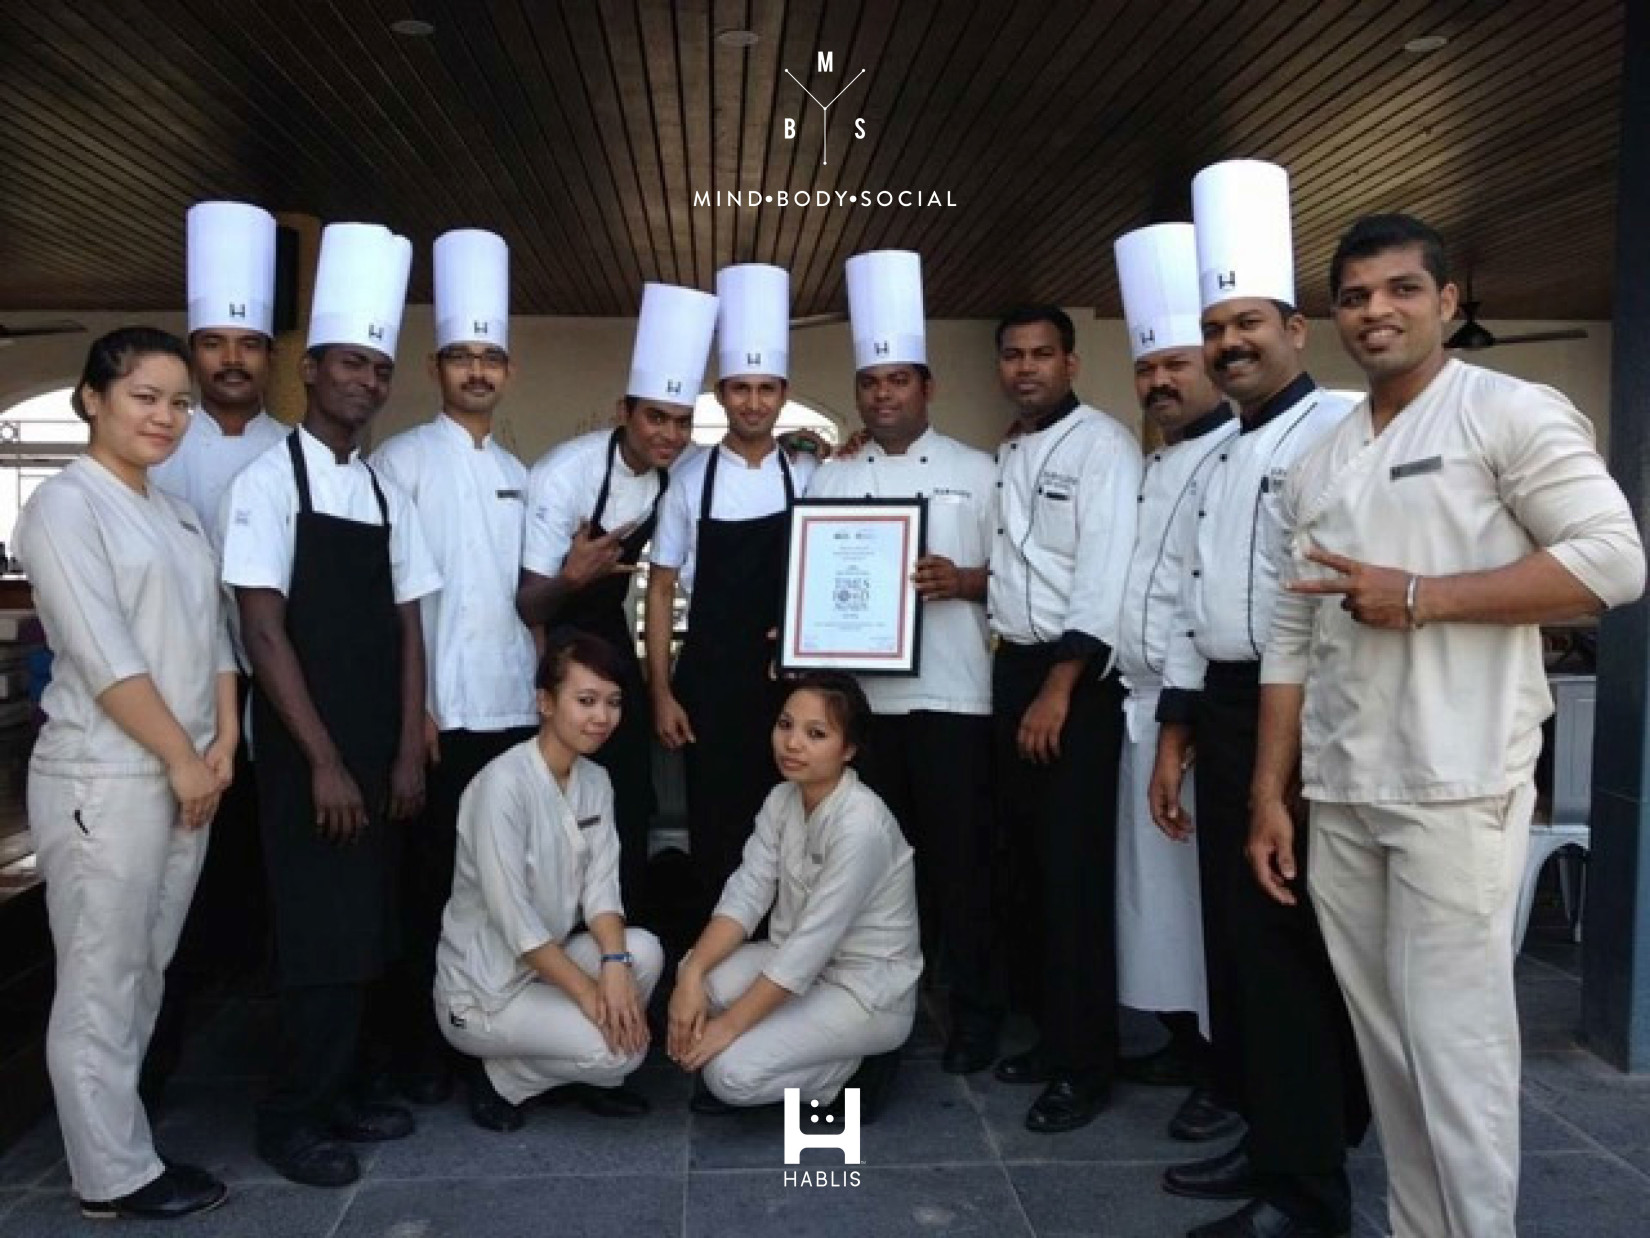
(583, 131)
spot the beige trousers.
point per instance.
(815, 1041)
(120, 873)
(540, 1039)
(1416, 902)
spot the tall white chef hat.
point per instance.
(672, 344)
(231, 267)
(1157, 268)
(360, 287)
(885, 308)
(753, 320)
(472, 288)
(1240, 209)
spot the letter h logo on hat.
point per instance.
(1148, 337)
(847, 1140)
(882, 348)
(1228, 280)
(374, 331)
(753, 358)
(237, 309)
(674, 387)
(481, 327)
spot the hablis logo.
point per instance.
(674, 387)
(1226, 280)
(882, 348)
(375, 332)
(481, 327)
(847, 1139)
(237, 309)
(753, 358)
(1148, 337)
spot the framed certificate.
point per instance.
(849, 601)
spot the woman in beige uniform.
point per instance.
(539, 1005)
(835, 982)
(137, 747)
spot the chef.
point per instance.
(1282, 1046)
(1433, 530)
(468, 494)
(1068, 478)
(231, 340)
(593, 504)
(328, 563)
(723, 533)
(231, 293)
(929, 756)
(1159, 921)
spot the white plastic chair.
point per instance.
(1566, 834)
(1545, 842)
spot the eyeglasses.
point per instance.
(463, 358)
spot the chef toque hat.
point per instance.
(673, 336)
(753, 323)
(472, 288)
(885, 308)
(231, 267)
(1157, 269)
(360, 287)
(1240, 209)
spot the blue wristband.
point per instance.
(624, 956)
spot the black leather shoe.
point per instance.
(619, 1102)
(312, 1161)
(366, 1123)
(706, 1103)
(488, 1109)
(1028, 1067)
(1068, 1102)
(965, 1055)
(1202, 1116)
(176, 1193)
(1262, 1220)
(1227, 1176)
(1168, 1067)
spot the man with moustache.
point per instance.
(929, 755)
(723, 533)
(1067, 480)
(328, 563)
(592, 506)
(1159, 922)
(1454, 511)
(1282, 1046)
(467, 492)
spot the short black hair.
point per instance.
(113, 356)
(844, 700)
(1026, 315)
(1375, 234)
(567, 645)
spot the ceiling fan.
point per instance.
(62, 326)
(1473, 336)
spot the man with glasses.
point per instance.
(469, 494)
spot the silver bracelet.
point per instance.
(1409, 601)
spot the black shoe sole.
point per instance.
(97, 1212)
(1247, 1190)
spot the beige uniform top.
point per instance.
(126, 584)
(532, 863)
(840, 885)
(1479, 471)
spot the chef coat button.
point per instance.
(1223, 457)
(1197, 571)
(999, 532)
(999, 485)
(1139, 498)
(1200, 515)
(922, 460)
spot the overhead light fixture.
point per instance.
(1426, 43)
(412, 28)
(738, 38)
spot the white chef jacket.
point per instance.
(742, 493)
(207, 459)
(125, 584)
(470, 500)
(1227, 593)
(1478, 471)
(259, 518)
(1171, 490)
(1065, 519)
(958, 483)
(842, 892)
(562, 490)
(533, 862)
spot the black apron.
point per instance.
(627, 756)
(334, 905)
(722, 677)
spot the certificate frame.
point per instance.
(858, 553)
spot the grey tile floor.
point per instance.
(949, 1157)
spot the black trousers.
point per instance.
(426, 873)
(1285, 1027)
(1059, 823)
(315, 1066)
(933, 770)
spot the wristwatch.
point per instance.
(623, 956)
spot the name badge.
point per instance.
(1433, 464)
(510, 494)
(586, 822)
(191, 528)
